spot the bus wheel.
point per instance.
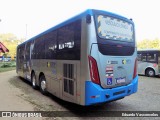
(43, 85)
(33, 80)
(150, 73)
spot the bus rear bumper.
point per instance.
(95, 94)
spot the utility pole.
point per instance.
(26, 32)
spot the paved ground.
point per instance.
(9, 96)
(18, 95)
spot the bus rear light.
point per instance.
(93, 70)
(154, 65)
(93, 96)
(135, 69)
(96, 96)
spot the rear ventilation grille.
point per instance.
(68, 75)
(118, 93)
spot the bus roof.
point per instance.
(149, 50)
(82, 14)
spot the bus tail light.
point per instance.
(154, 65)
(135, 69)
(93, 70)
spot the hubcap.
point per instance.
(151, 73)
(43, 85)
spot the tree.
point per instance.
(146, 43)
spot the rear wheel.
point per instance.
(43, 85)
(150, 73)
(33, 80)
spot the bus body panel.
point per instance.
(84, 73)
(120, 70)
(96, 94)
(143, 66)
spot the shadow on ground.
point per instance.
(65, 109)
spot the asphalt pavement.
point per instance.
(18, 95)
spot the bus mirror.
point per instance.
(88, 18)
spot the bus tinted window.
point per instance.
(51, 45)
(69, 38)
(139, 57)
(144, 57)
(115, 36)
(20, 56)
(147, 57)
(114, 29)
(40, 48)
(33, 54)
(151, 57)
(21, 52)
(28, 51)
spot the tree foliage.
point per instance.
(149, 44)
(11, 42)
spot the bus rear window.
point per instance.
(114, 29)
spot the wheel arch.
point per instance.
(32, 72)
(43, 91)
(40, 74)
(36, 81)
(148, 69)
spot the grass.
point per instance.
(7, 66)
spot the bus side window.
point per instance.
(28, 51)
(151, 57)
(144, 57)
(68, 39)
(51, 45)
(39, 48)
(139, 57)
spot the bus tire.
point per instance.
(33, 81)
(150, 72)
(43, 85)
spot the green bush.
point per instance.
(8, 64)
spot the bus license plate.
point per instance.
(121, 80)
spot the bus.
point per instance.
(148, 62)
(87, 59)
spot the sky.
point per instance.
(27, 18)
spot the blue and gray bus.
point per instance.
(88, 59)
